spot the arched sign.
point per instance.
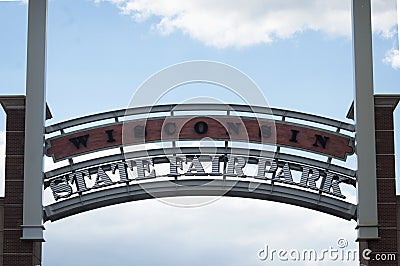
(320, 181)
(217, 128)
(176, 165)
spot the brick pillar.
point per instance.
(398, 229)
(1, 230)
(386, 184)
(16, 251)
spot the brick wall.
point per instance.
(16, 251)
(386, 183)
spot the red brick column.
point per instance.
(386, 184)
(16, 251)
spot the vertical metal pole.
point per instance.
(398, 27)
(365, 120)
(34, 120)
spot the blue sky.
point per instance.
(298, 52)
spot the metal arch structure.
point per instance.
(73, 197)
(199, 187)
(35, 117)
(367, 217)
(26, 250)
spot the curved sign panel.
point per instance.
(221, 169)
(217, 128)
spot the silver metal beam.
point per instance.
(197, 107)
(199, 187)
(153, 153)
(34, 120)
(364, 117)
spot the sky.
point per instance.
(100, 51)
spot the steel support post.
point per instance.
(364, 118)
(34, 120)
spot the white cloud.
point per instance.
(392, 58)
(384, 17)
(22, 1)
(242, 23)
